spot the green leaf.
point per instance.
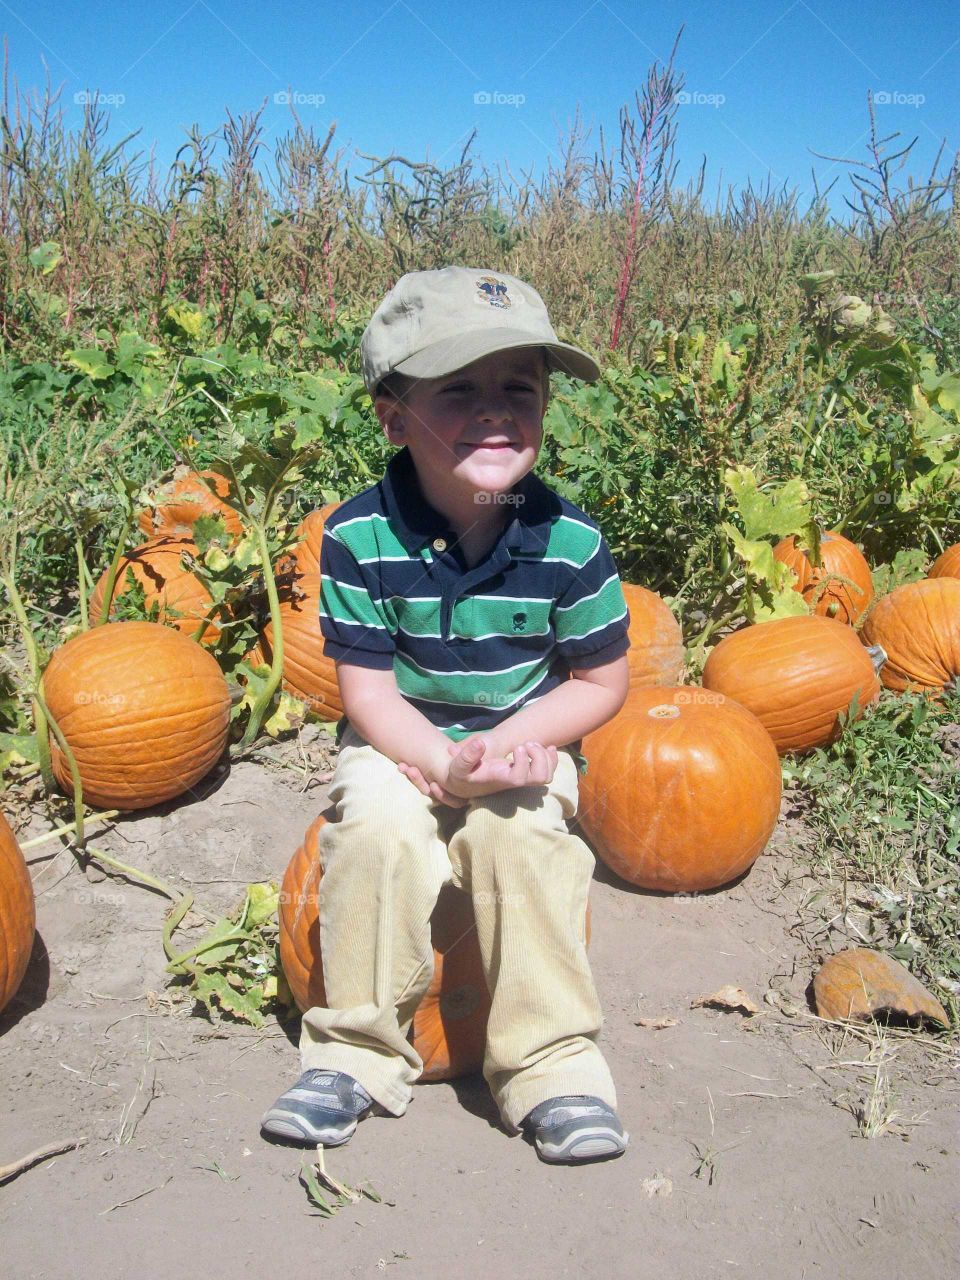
(212, 987)
(46, 257)
(19, 748)
(187, 317)
(770, 594)
(290, 714)
(216, 955)
(262, 903)
(91, 361)
(784, 512)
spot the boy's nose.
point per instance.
(494, 408)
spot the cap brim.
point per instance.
(441, 358)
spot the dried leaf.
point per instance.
(728, 997)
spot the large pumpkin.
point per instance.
(918, 626)
(182, 500)
(307, 673)
(840, 559)
(656, 654)
(144, 710)
(17, 915)
(157, 566)
(682, 789)
(947, 564)
(449, 1028)
(797, 675)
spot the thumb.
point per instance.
(469, 754)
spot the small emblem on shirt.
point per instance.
(519, 621)
(494, 293)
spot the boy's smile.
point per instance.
(472, 433)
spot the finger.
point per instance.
(521, 765)
(539, 763)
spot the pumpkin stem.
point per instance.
(71, 760)
(878, 656)
(86, 585)
(36, 706)
(112, 574)
(259, 708)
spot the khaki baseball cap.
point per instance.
(432, 323)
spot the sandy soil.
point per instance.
(174, 1178)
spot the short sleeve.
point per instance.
(590, 616)
(352, 619)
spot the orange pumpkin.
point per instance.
(310, 535)
(918, 625)
(682, 789)
(156, 565)
(840, 559)
(655, 656)
(18, 915)
(182, 500)
(947, 564)
(797, 675)
(449, 1028)
(144, 710)
(307, 673)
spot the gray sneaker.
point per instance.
(575, 1128)
(323, 1107)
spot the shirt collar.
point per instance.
(417, 522)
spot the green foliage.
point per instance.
(236, 964)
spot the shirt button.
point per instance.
(439, 544)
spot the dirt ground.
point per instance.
(745, 1157)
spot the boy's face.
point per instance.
(477, 429)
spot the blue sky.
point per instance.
(767, 82)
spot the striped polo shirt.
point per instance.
(468, 646)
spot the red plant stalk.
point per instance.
(331, 299)
(626, 270)
(167, 254)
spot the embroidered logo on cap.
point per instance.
(494, 293)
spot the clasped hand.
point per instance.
(470, 773)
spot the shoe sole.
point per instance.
(289, 1125)
(584, 1145)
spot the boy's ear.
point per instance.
(388, 410)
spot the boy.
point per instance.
(458, 595)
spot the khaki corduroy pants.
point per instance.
(384, 862)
